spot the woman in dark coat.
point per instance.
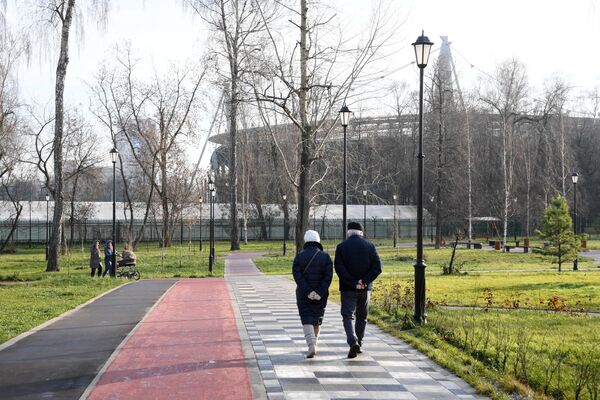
(313, 271)
(95, 260)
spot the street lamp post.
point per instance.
(422, 48)
(29, 223)
(574, 178)
(284, 225)
(200, 223)
(211, 257)
(47, 223)
(395, 221)
(365, 212)
(114, 154)
(345, 118)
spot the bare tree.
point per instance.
(149, 121)
(238, 25)
(507, 98)
(81, 155)
(304, 85)
(57, 16)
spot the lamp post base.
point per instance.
(420, 315)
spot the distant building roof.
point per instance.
(103, 211)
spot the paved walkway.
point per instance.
(60, 360)
(234, 338)
(388, 368)
(188, 347)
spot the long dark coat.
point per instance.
(95, 260)
(317, 277)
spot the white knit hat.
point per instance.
(312, 236)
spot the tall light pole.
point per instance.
(47, 223)
(344, 118)
(422, 48)
(284, 225)
(114, 154)
(29, 223)
(200, 223)
(574, 178)
(365, 212)
(395, 221)
(211, 257)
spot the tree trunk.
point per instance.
(439, 168)
(13, 228)
(72, 205)
(233, 111)
(166, 215)
(61, 73)
(506, 176)
(261, 220)
(304, 183)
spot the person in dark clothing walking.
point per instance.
(313, 271)
(95, 260)
(357, 264)
(108, 258)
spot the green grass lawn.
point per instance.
(502, 353)
(402, 259)
(508, 354)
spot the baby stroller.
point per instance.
(126, 269)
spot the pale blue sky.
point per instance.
(549, 36)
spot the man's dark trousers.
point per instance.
(355, 301)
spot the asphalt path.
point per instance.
(60, 360)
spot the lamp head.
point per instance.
(422, 49)
(284, 197)
(395, 197)
(47, 197)
(113, 155)
(364, 192)
(345, 115)
(575, 177)
(211, 182)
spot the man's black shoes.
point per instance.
(354, 350)
(359, 347)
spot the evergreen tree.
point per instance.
(563, 244)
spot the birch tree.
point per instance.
(54, 19)
(507, 98)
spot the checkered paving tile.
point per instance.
(387, 369)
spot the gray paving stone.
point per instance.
(387, 369)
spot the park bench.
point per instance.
(476, 245)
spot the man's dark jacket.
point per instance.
(356, 259)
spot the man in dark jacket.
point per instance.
(357, 264)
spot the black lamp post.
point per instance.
(284, 225)
(211, 257)
(114, 154)
(422, 48)
(365, 212)
(574, 178)
(47, 223)
(200, 223)
(344, 118)
(395, 221)
(29, 223)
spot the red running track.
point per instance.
(188, 347)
